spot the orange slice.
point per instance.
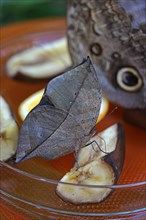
(28, 104)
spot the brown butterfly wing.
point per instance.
(104, 31)
(65, 116)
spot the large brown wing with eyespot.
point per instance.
(110, 32)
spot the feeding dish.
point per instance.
(28, 189)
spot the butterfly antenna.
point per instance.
(109, 114)
(94, 129)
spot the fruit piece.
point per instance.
(103, 109)
(99, 163)
(8, 132)
(41, 61)
(29, 103)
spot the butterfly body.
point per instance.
(113, 33)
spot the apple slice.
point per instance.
(8, 132)
(99, 163)
(41, 61)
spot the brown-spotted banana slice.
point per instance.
(8, 131)
(41, 61)
(99, 163)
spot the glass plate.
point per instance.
(28, 189)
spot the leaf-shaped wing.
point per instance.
(65, 116)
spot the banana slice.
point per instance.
(8, 132)
(94, 173)
(99, 163)
(41, 61)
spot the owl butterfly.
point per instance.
(113, 33)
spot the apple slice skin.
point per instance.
(113, 160)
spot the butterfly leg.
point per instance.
(97, 144)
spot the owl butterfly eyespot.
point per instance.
(96, 49)
(129, 79)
